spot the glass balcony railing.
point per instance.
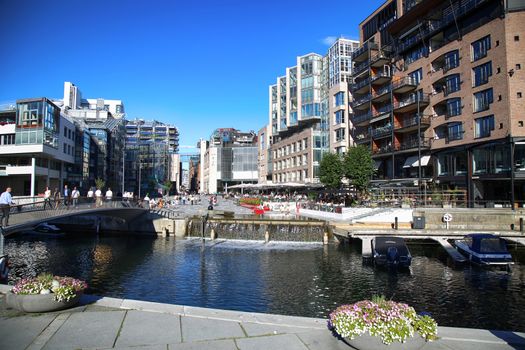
(360, 84)
(382, 131)
(360, 118)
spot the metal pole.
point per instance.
(123, 166)
(419, 143)
(140, 177)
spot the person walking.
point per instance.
(75, 194)
(47, 198)
(109, 196)
(6, 200)
(57, 197)
(67, 196)
(90, 197)
(146, 201)
(98, 198)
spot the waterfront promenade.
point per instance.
(109, 323)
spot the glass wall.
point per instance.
(37, 122)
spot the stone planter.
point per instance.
(368, 342)
(39, 302)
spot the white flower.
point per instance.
(45, 291)
(55, 284)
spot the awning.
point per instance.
(413, 161)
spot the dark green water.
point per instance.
(293, 279)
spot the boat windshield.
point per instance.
(492, 245)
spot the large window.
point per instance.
(482, 100)
(481, 74)
(480, 47)
(494, 159)
(416, 76)
(455, 131)
(451, 60)
(453, 107)
(340, 117)
(339, 99)
(452, 84)
(483, 126)
(340, 135)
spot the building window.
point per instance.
(483, 126)
(340, 117)
(65, 131)
(339, 99)
(65, 148)
(480, 47)
(455, 131)
(451, 60)
(482, 100)
(416, 76)
(516, 38)
(340, 135)
(453, 107)
(481, 74)
(452, 84)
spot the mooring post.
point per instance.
(521, 225)
(266, 237)
(395, 223)
(212, 234)
(325, 238)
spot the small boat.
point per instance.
(485, 249)
(47, 228)
(391, 252)
(4, 268)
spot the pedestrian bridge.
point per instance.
(29, 215)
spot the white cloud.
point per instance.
(329, 40)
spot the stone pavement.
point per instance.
(108, 323)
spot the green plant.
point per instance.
(250, 201)
(331, 170)
(99, 183)
(389, 320)
(358, 167)
(63, 288)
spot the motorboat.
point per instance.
(484, 249)
(4, 268)
(47, 228)
(391, 252)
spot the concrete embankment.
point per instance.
(110, 323)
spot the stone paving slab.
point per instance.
(148, 328)
(258, 329)
(87, 330)
(322, 340)
(225, 344)
(151, 306)
(282, 341)
(19, 332)
(194, 329)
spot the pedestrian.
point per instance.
(67, 196)
(6, 200)
(75, 194)
(109, 195)
(98, 198)
(47, 198)
(146, 201)
(90, 196)
(57, 197)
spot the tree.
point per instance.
(331, 170)
(99, 183)
(358, 167)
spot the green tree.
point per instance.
(100, 183)
(358, 167)
(331, 170)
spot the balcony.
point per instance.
(412, 123)
(380, 78)
(360, 68)
(382, 132)
(414, 144)
(381, 58)
(383, 149)
(361, 119)
(382, 110)
(362, 138)
(381, 94)
(403, 85)
(361, 86)
(411, 103)
(362, 102)
(361, 53)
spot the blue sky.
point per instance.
(199, 65)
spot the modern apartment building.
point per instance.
(91, 108)
(228, 158)
(37, 145)
(299, 121)
(339, 60)
(149, 149)
(264, 157)
(438, 89)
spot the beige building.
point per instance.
(438, 94)
(264, 155)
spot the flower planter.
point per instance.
(39, 302)
(368, 342)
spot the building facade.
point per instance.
(438, 92)
(228, 158)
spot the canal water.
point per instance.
(281, 278)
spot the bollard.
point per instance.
(395, 223)
(521, 225)
(325, 238)
(212, 234)
(266, 237)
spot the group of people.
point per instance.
(66, 197)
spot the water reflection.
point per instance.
(294, 278)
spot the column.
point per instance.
(33, 176)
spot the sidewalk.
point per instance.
(108, 323)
